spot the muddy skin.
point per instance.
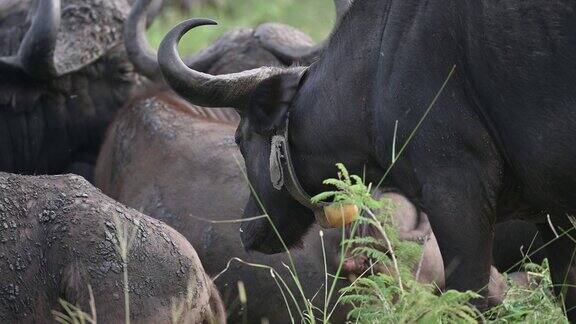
(57, 236)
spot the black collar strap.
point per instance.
(282, 174)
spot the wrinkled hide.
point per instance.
(58, 235)
(89, 30)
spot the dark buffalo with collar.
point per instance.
(498, 143)
(197, 180)
(58, 240)
(188, 176)
(63, 76)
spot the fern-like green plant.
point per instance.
(395, 296)
(350, 189)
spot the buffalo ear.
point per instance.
(270, 101)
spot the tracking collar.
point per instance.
(282, 174)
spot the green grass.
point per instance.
(315, 17)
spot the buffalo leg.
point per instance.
(464, 236)
(562, 257)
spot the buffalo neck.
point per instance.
(331, 117)
(347, 107)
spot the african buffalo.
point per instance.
(497, 143)
(59, 235)
(63, 76)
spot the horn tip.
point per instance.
(193, 22)
(211, 22)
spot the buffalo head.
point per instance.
(63, 74)
(263, 97)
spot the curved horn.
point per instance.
(144, 57)
(36, 53)
(138, 49)
(229, 90)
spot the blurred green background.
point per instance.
(315, 17)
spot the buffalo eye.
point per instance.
(270, 101)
